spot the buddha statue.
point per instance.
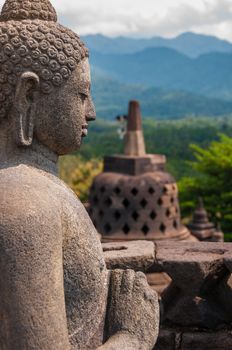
(55, 290)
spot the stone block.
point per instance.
(205, 341)
(137, 255)
(166, 340)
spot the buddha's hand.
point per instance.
(133, 308)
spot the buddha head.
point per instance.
(44, 78)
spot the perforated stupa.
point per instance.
(135, 198)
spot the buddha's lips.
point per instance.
(84, 130)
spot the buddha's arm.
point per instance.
(133, 312)
(31, 300)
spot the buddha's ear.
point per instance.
(25, 107)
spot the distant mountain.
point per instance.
(165, 68)
(190, 44)
(171, 77)
(111, 98)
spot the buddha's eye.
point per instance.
(83, 96)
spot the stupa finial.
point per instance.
(18, 10)
(200, 204)
(134, 139)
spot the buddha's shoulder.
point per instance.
(22, 193)
(23, 181)
(23, 176)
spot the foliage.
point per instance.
(212, 181)
(79, 173)
(171, 138)
(157, 102)
(202, 170)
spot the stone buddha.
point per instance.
(55, 290)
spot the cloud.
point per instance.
(162, 17)
(147, 18)
(214, 14)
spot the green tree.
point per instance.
(79, 173)
(212, 180)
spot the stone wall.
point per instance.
(196, 307)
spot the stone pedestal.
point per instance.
(196, 308)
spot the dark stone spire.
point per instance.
(134, 139)
(134, 117)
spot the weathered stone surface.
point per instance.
(129, 288)
(228, 260)
(187, 258)
(166, 340)
(145, 207)
(54, 285)
(205, 341)
(171, 339)
(158, 281)
(137, 255)
(199, 296)
(43, 47)
(18, 10)
(199, 284)
(133, 165)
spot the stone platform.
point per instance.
(196, 307)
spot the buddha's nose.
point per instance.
(91, 112)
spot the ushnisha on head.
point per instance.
(44, 77)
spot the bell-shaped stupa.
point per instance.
(135, 198)
(202, 228)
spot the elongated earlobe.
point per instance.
(25, 128)
(25, 108)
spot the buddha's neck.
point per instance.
(37, 155)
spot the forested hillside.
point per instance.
(172, 78)
(210, 74)
(190, 44)
(171, 138)
(111, 98)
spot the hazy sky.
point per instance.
(147, 17)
